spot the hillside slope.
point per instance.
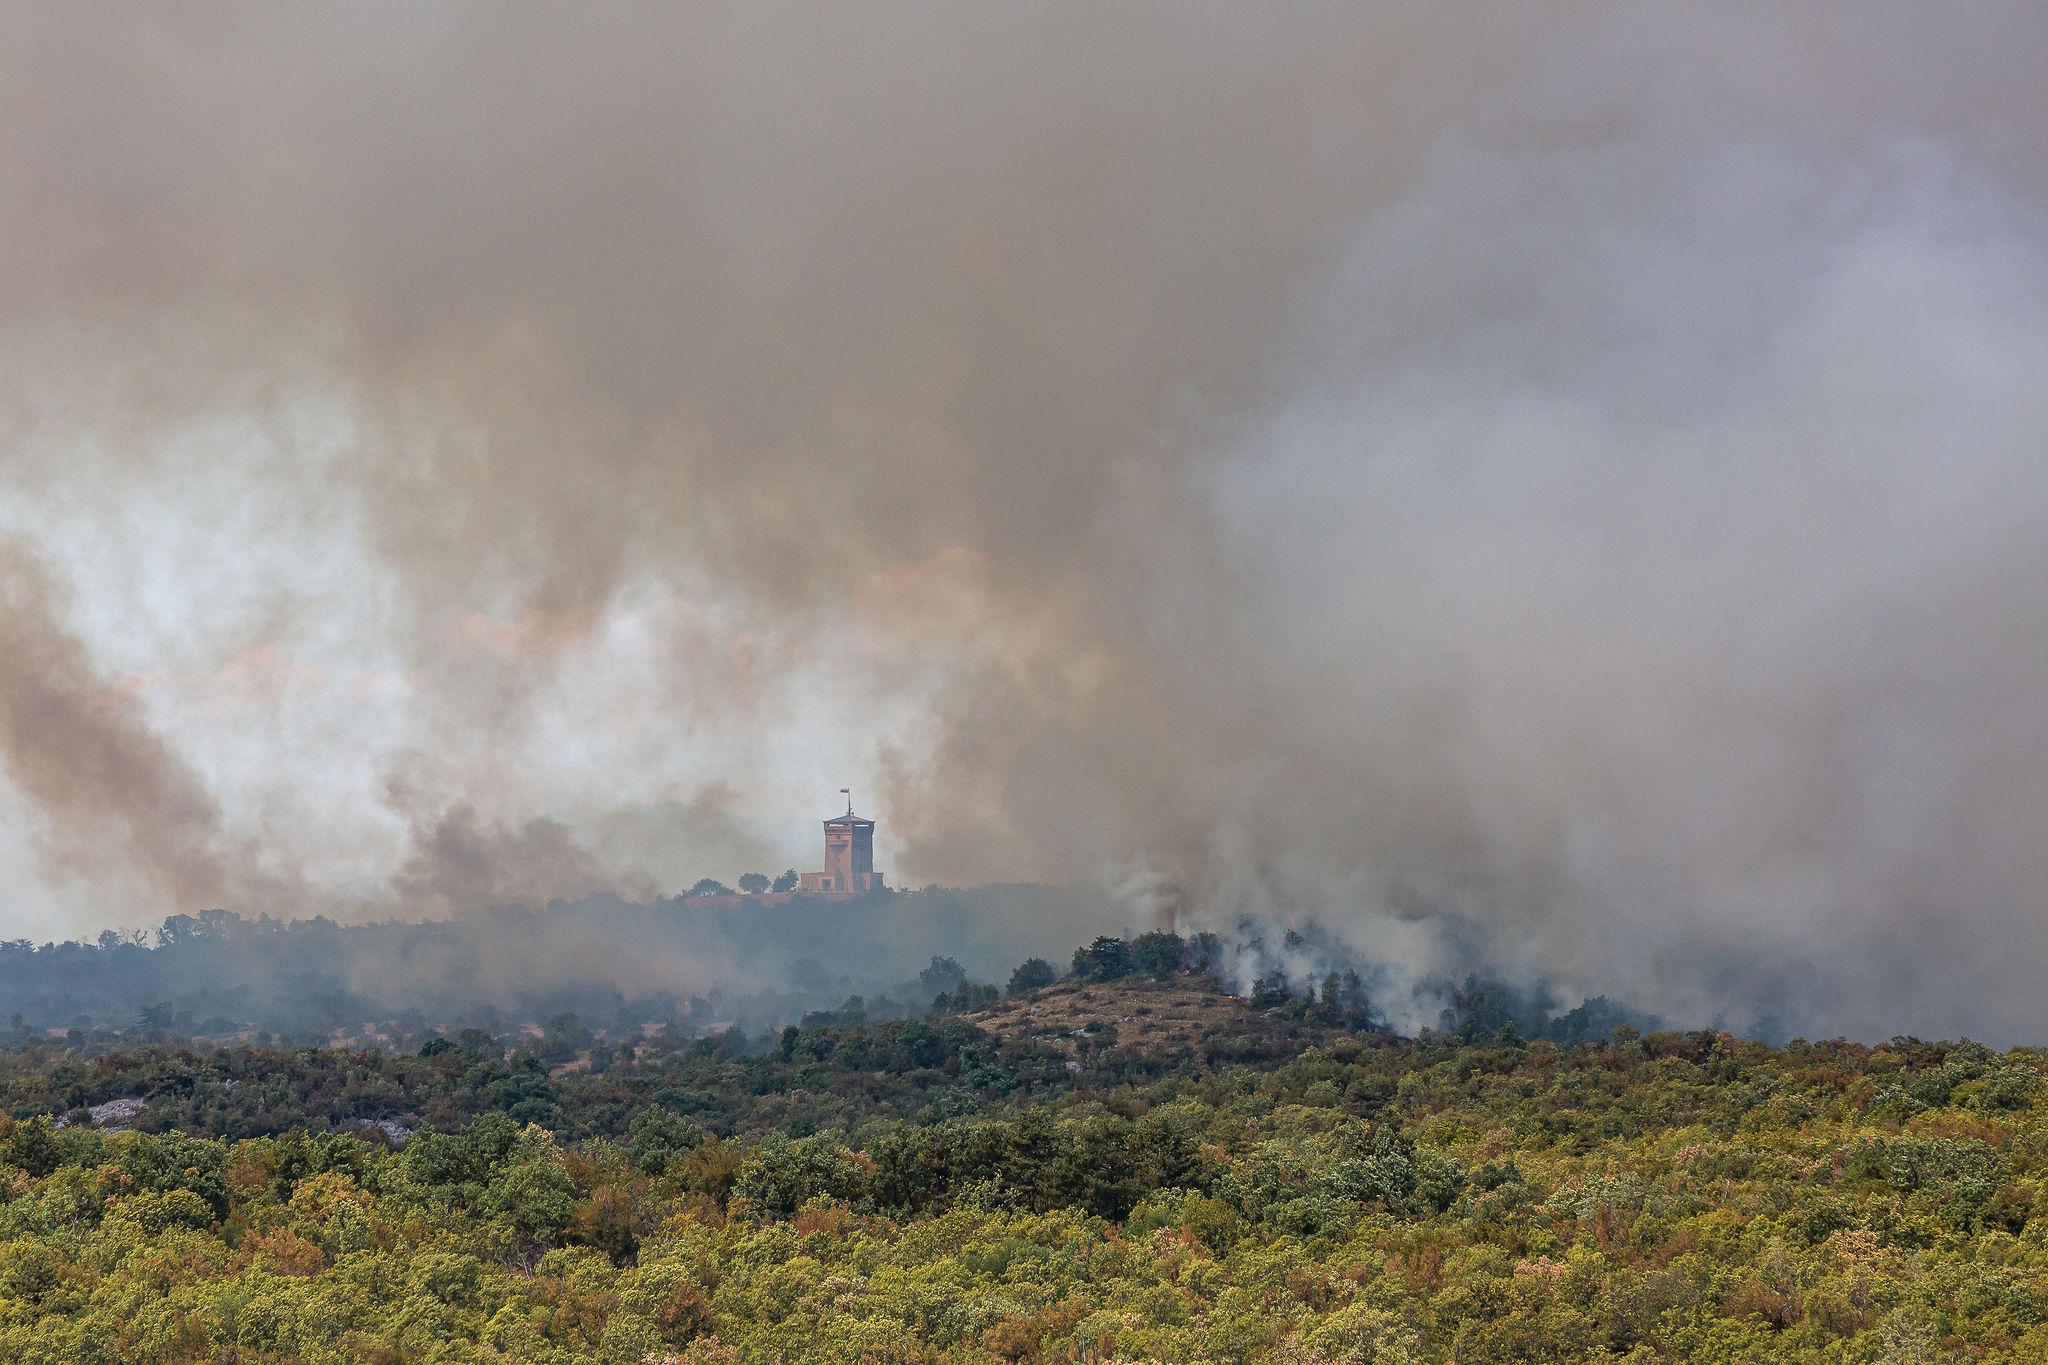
(1149, 1020)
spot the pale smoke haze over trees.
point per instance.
(705, 967)
(1549, 491)
(702, 967)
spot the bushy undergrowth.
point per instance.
(1669, 1197)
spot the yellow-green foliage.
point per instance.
(1668, 1198)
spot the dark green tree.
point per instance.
(1269, 990)
(1032, 974)
(660, 1136)
(1106, 959)
(1159, 954)
(942, 975)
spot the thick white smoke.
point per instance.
(1550, 488)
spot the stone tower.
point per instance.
(849, 857)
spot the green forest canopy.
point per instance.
(1294, 1186)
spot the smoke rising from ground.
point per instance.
(1555, 489)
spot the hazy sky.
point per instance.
(1559, 487)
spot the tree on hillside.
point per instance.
(942, 975)
(1159, 954)
(1031, 974)
(787, 881)
(709, 886)
(1106, 959)
(966, 996)
(565, 1036)
(1270, 990)
(753, 883)
(1345, 1001)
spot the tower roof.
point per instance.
(848, 819)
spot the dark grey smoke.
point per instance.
(458, 863)
(1560, 485)
(109, 796)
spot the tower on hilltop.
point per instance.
(849, 857)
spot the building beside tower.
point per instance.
(849, 857)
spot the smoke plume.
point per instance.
(1550, 488)
(109, 793)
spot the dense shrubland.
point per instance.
(832, 1068)
(920, 1191)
